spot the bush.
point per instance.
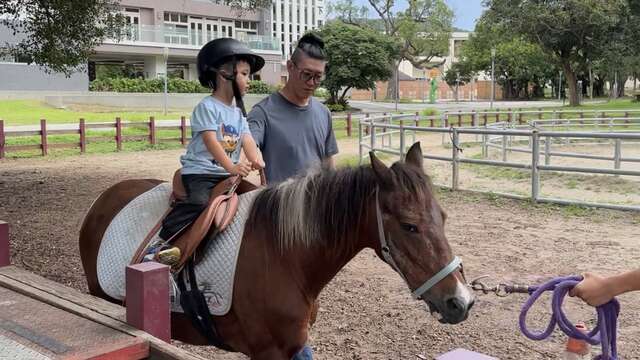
(259, 87)
(321, 93)
(336, 107)
(174, 85)
(429, 112)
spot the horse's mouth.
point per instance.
(445, 318)
(433, 310)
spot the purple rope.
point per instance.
(604, 333)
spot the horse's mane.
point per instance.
(324, 207)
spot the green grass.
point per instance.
(28, 112)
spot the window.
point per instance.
(132, 10)
(238, 24)
(319, 23)
(176, 17)
(275, 27)
(254, 25)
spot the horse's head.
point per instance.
(412, 239)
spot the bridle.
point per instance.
(386, 254)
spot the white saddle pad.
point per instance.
(131, 225)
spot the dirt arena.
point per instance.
(366, 312)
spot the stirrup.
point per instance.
(170, 256)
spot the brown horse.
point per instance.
(299, 234)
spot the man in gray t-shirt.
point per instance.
(292, 129)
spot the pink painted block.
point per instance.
(5, 253)
(147, 292)
(462, 354)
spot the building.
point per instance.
(165, 36)
(292, 18)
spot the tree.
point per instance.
(61, 34)
(458, 75)
(569, 31)
(422, 31)
(518, 62)
(357, 58)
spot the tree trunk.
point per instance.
(391, 84)
(571, 79)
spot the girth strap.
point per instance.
(195, 307)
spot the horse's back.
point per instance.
(98, 218)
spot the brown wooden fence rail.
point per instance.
(44, 146)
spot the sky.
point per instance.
(466, 11)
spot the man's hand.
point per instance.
(242, 168)
(257, 164)
(595, 290)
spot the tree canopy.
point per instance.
(421, 32)
(357, 58)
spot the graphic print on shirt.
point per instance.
(229, 138)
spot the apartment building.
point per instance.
(165, 36)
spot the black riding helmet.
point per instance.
(218, 52)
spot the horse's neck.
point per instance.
(320, 265)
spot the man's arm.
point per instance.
(597, 290)
(330, 146)
(257, 120)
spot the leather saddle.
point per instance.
(222, 207)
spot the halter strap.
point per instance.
(386, 254)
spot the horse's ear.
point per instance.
(384, 174)
(414, 156)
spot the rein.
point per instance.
(388, 258)
(604, 333)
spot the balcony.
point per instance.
(177, 36)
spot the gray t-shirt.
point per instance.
(292, 138)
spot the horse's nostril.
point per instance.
(455, 305)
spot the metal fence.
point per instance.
(376, 133)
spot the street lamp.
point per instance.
(165, 55)
(493, 78)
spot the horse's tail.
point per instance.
(96, 221)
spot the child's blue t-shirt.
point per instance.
(230, 126)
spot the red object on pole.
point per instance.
(152, 130)
(183, 130)
(118, 134)
(349, 124)
(2, 139)
(147, 291)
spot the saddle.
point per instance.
(222, 207)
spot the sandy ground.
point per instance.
(366, 312)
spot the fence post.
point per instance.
(497, 115)
(535, 172)
(540, 113)
(459, 118)
(547, 150)
(360, 142)
(2, 139)
(83, 136)
(43, 136)
(485, 146)
(152, 130)
(367, 130)
(509, 115)
(373, 136)
(581, 117)
(484, 118)
(349, 125)
(626, 117)
(617, 154)
(504, 148)
(183, 130)
(445, 124)
(118, 134)
(474, 118)
(454, 147)
(147, 289)
(402, 140)
(5, 248)
(520, 118)
(603, 115)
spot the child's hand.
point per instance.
(257, 164)
(241, 168)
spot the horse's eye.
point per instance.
(409, 227)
